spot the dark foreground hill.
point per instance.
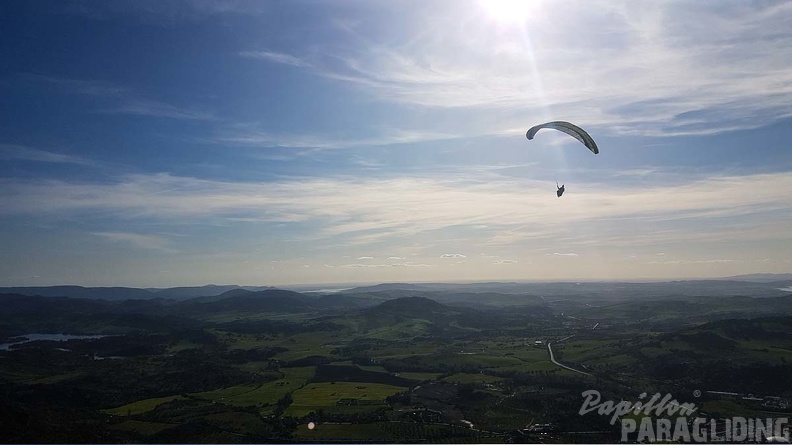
(271, 300)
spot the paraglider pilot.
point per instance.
(560, 190)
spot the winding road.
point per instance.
(552, 359)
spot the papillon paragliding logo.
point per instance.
(657, 405)
(663, 419)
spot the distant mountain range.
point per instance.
(769, 286)
(128, 293)
(762, 277)
(437, 312)
(752, 284)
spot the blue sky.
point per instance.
(286, 142)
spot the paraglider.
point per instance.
(570, 129)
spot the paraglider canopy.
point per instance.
(568, 128)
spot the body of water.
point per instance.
(46, 337)
(327, 291)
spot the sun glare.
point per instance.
(506, 11)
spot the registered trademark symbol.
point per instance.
(697, 393)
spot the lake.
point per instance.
(46, 337)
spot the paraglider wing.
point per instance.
(570, 129)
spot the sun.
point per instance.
(509, 11)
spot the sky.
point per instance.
(157, 144)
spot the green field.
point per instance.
(402, 349)
(374, 368)
(305, 345)
(263, 395)
(472, 378)
(542, 365)
(420, 376)
(398, 331)
(474, 359)
(142, 406)
(316, 396)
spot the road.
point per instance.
(552, 359)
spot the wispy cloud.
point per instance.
(504, 212)
(148, 107)
(713, 261)
(117, 99)
(562, 254)
(275, 57)
(405, 264)
(96, 88)
(251, 135)
(140, 241)
(504, 262)
(368, 164)
(20, 152)
(579, 60)
(163, 13)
